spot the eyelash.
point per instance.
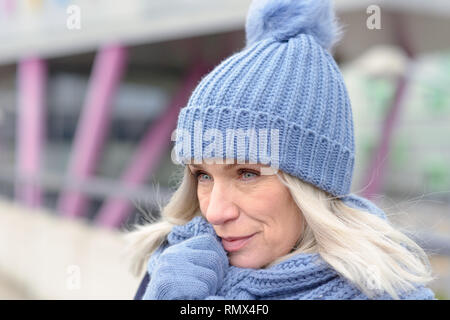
(241, 172)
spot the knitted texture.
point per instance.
(303, 276)
(283, 93)
(198, 262)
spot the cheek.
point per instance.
(203, 200)
(266, 202)
(280, 216)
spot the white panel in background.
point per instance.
(40, 27)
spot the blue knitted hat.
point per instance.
(283, 94)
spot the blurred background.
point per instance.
(89, 96)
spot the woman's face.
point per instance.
(240, 202)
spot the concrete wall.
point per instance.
(43, 256)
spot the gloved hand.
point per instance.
(192, 269)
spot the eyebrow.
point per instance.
(226, 166)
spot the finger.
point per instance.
(206, 242)
(204, 258)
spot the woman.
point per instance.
(275, 220)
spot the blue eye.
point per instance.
(248, 175)
(201, 174)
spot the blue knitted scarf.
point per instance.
(303, 276)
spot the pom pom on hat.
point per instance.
(285, 19)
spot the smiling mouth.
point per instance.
(235, 244)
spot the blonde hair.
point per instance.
(364, 248)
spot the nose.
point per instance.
(221, 206)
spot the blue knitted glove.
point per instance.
(192, 269)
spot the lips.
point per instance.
(231, 244)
